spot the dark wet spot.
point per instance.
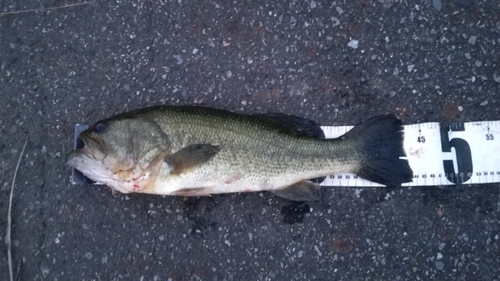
(342, 246)
(436, 195)
(463, 3)
(376, 195)
(201, 224)
(198, 210)
(482, 204)
(294, 212)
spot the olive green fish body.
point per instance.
(193, 151)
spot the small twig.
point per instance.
(44, 9)
(9, 217)
(19, 270)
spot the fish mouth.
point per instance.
(93, 148)
(88, 148)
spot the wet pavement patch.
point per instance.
(294, 212)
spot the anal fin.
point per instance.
(300, 191)
(192, 192)
(191, 156)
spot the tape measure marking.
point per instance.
(441, 154)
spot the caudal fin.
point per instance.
(380, 141)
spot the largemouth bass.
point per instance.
(197, 151)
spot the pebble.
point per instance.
(395, 71)
(472, 40)
(45, 270)
(335, 21)
(179, 59)
(439, 265)
(353, 44)
(437, 4)
(496, 77)
(318, 251)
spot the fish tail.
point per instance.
(379, 141)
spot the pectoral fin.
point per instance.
(191, 156)
(300, 191)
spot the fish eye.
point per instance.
(100, 127)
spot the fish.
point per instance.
(200, 151)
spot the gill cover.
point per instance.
(127, 143)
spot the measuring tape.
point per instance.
(438, 154)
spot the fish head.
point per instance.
(124, 152)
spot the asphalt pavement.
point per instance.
(336, 62)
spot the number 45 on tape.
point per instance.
(441, 154)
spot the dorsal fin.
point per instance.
(299, 126)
